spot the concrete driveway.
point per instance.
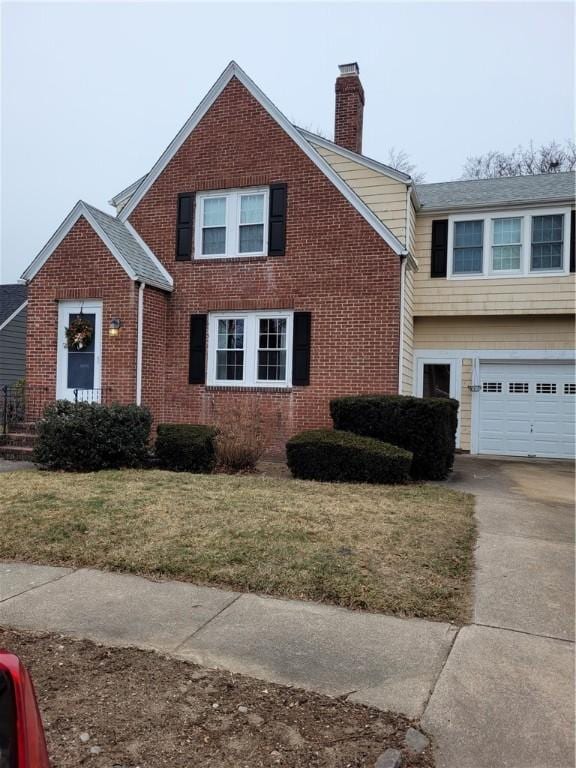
(505, 698)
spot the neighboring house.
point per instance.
(12, 334)
(257, 261)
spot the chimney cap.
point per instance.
(349, 69)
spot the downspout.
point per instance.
(403, 267)
(139, 343)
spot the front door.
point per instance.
(79, 364)
(439, 378)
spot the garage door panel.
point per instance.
(526, 409)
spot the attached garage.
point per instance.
(527, 408)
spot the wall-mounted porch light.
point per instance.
(114, 327)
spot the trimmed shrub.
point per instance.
(424, 426)
(186, 447)
(332, 456)
(85, 437)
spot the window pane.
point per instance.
(468, 233)
(229, 365)
(214, 241)
(436, 380)
(467, 260)
(506, 257)
(231, 334)
(80, 370)
(547, 256)
(547, 242)
(507, 231)
(214, 212)
(251, 238)
(271, 365)
(252, 209)
(547, 229)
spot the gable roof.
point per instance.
(233, 70)
(12, 300)
(126, 194)
(506, 190)
(129, 250)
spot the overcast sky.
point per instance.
(93, 92)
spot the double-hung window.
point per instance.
(527, 243)
(250, 349)
(231, 224)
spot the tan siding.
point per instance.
(386, 197)
(411, 228)
(465, 411)
(497, 296)
(528, 332)
(408, 325)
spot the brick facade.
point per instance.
(335, 267)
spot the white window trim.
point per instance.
(251, 320)
(233, 197)
(526, 250)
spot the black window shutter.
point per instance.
(197, 363)
(277, 220)
(439, 255)
(572, 242)
(301, 349)
(184, 224)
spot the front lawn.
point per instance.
(399, 550)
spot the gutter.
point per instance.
(139, 343)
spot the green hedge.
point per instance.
(85, 437)
(424, 426)
(332, 456)
(186, 447)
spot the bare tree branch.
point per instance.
(400, 160)
(522, 161)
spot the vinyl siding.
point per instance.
(386, 197)
(13, 350)
(465, 410)
(528, 332)
(411, 228)
(490, 296)
(408, 325)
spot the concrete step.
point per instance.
(16, 452)
(24, 426)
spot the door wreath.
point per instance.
(79, 334)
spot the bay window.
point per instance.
(250, 349)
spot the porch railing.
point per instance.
(26, 402)
(20, 403)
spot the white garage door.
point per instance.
(527, 409)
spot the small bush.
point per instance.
(244, 434)
(186, 447)
(424, 426)
(85, 437)
(333, 456)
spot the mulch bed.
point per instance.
(124, 708)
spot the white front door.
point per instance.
(79, 371)
(439, 378)
(527, 409)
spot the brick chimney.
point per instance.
(349, 108)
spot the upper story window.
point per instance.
(231, 224)
(529, 243)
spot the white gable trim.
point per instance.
(374, 165)
(13, 315)
(233, 70)
(79, 210)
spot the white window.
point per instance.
(528, 244)
(231, 223)
(250, 349)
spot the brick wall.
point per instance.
(335, 266)
(80, 268)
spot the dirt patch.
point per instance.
(125, 708)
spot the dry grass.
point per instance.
(400, 550)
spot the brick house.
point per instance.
(257, 261)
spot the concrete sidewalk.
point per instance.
(379, 660)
